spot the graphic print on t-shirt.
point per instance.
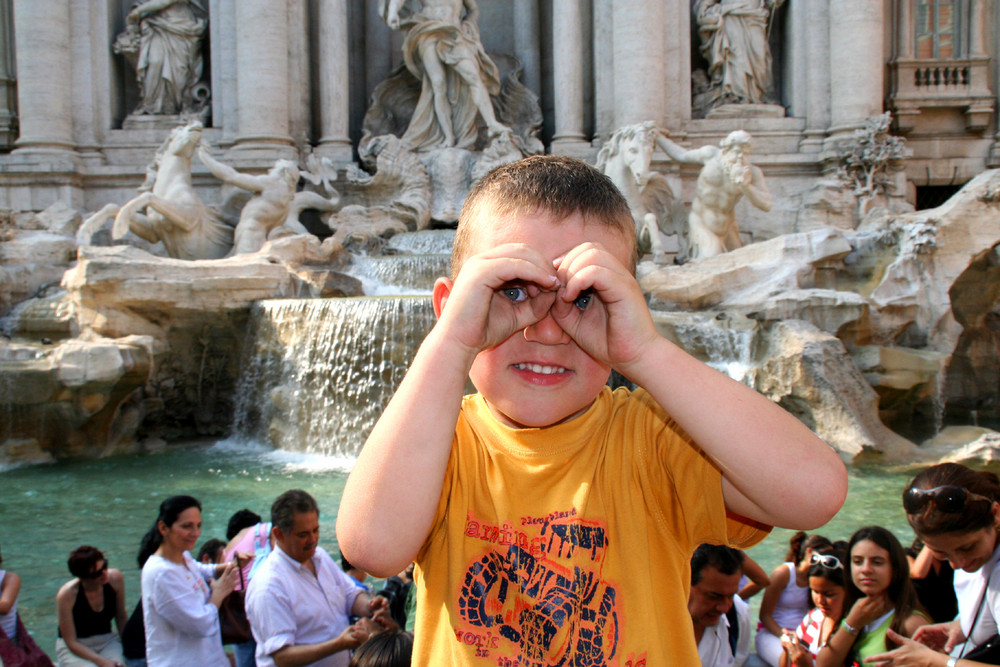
(537, 597)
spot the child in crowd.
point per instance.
(880, 597)
(827, 587)
(786, 598)
(552, 519)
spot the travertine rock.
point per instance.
(809, 373)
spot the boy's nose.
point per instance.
(546, 331)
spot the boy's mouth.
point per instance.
(540, 369)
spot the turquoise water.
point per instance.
(48, 510)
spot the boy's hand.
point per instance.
(601, 306)
(498, 293)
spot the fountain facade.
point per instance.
(897, 306)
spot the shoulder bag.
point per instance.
(233, 621)
(22, 653)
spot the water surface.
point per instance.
(48, 510)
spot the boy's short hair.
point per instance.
(556, 184)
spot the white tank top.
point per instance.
(793, 603)
(8, 621)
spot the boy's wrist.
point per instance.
(649, 361)
(448, 351)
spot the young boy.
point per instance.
(552, 520)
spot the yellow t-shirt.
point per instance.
(569, 544)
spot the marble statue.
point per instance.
(625, 159)
(274, 203)
(726, 176)
(442, 49)
(734, 40)
(169, 210)
(163, 41)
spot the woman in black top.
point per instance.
(86, 606)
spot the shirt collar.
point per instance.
(296, 565)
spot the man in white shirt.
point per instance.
(723, 636)
(299, 602)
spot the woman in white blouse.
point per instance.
(181, 597)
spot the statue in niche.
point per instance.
(734, 40)
(442, 49)
(274, 203)
(726, 176)
(162, 41)
(625, 159)
(167, 208)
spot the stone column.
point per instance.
(638, 36)
(817, 73)
(526, 44)
(978, 26)
(334, 82)
(44, 78)
(906, 33)
(568, 84)
(261, 81)
(856, 65)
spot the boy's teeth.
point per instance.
(538, 368)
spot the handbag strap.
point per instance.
(975, 619)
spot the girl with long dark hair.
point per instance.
(880, 598)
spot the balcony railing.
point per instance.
(961, 83)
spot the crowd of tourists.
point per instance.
(864, 600)
(270, 576)
(867, 600)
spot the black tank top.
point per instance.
(89, 622)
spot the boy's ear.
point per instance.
(442, 290)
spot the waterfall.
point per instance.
(317, 373)
(399, 274)
(724, 341)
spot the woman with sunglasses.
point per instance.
(180, 596)
(786, 598)
(86, 606)
(954, 510)
(827, 588)
(880, 598)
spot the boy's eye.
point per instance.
(515, 294)
(583, 300)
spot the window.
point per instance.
(937, 29)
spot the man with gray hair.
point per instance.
(725, 178)
(299, 602)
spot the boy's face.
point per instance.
(539, 376)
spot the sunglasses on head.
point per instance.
(829, 561)
(950, 498)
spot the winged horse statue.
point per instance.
(625, 159)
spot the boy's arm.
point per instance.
(388, 505)
(774, 469)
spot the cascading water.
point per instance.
(724, 341)
(317, 373)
